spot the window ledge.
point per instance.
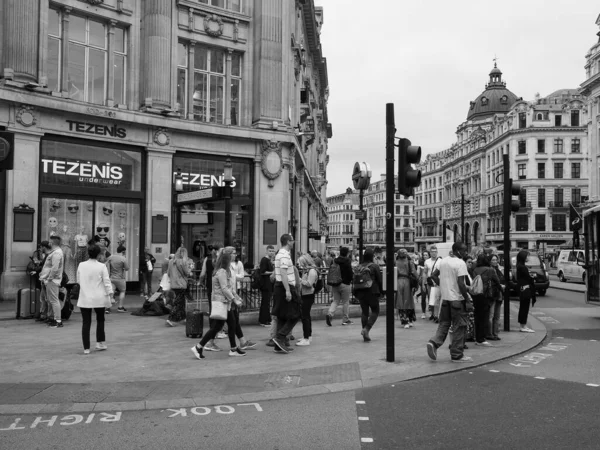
(541, 155)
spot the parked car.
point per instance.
(537, 270)
(570, 265)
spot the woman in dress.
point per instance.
(405, 303)
(95, 293)
(496, 306)
(470, 334)
(526, 288)
(178, 271)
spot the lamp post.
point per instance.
(227, 196)
(462, 210)
(506, 226)
(178, 187)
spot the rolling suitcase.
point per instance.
(194, 320)
(28, 301)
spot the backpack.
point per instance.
(476, 287)
(319, 284)
(256, 282)
(361, 278)
(334, 276)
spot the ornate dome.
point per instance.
(495, 99)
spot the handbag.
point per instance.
(430, 281)
(219, 310)
(165, 282)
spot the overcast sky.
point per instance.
(431, 58)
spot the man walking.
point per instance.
(341, 293)
(286, 301)
(433, 288)
(117, 266)
(51, 277)
(450, 276)
(266, 287)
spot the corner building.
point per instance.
(107, 101)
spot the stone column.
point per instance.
(156, 53)
(20, 38)
(110, 99)
(189, 101)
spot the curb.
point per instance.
(252, 396)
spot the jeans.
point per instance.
(264, 315)
(307, 302)
(369, 301)
(284, 328)
(524, 302)
(217, 325)
(45, 307)
(146, 286)
(51, 289)
(86, 315)
(482, 317)
(238, 329)
(341, 294)
(452, 313)
(495, 310)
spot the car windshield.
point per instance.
(533, 261)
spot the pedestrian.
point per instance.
(341, 293)
(286, 299)
(39, 260)
(456, 301)
(496, 305)
(423, 283)
(526, 288)
(266, 268)
(95, 292)
(223, 290)
(405, 302)
(369, 298)
(206, 277)
(433, 290)
(179, 272)
(237, 267)
(147, 263)
(309, 276)
(51, 279)
(470, 334)
(483, 301)
(317, 258)
(117, 266)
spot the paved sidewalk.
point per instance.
(150, 366)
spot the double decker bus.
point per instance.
(591, 229)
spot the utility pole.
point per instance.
(390, 131)
(506, 226)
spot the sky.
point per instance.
(431, 58)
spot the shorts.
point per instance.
(118, 285)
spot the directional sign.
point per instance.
(359, 215)
(203, 195)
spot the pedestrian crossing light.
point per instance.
(408, 177)
(515, 189)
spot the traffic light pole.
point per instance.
(390, 131)
(506, 226)
(361, 196)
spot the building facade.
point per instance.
(112, 104)
(546, 141)
(341, 220)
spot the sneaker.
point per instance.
(86, 351)
(169, 323)
(101, 346)
(271, 343)
(264, 325)
(197, 352)
(213, 348)
(526, 330)
(431, 317)
(121, 309)
(423, 316)
(432, 350)
(365, 334)
(107, 310)
(55, 324)
(347, 322)
(303, 342)
(221, 335)
(280, 345)
(407, 326)
(237, 352)
(464, 359)
(291, 338)
(410, 324)
(41, 319)
(484, 344)
(328, 319)
(278, 350)
(248, 345)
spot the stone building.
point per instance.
(546, 141)
(117, 108)
(341, 220)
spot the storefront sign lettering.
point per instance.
(100, 130)
(56, 171)
(197, 179)
(553, 236)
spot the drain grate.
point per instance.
(87, 396)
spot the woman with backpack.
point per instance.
(482, 301)
(407, 282)
(369, 298)
(309, 277)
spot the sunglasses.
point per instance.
(99, 229)
(107, 210)
(73, 208)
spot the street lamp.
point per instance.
(227, 196)
(462, 210)
(177, 187)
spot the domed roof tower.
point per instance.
(495, 99)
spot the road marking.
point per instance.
(558, 337)
(360, 402)
(495, 371)
(593, 340)
(540, 378)
(592, 385)
(366, 439)
(205, 410)
(67, 420)
(362, 418)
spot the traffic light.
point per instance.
(408, 178)
(515, 189)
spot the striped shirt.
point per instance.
(283, 261)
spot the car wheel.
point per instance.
(561, 276)
(542, 292)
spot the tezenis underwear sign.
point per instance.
(86, 173)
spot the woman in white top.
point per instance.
(95, 292)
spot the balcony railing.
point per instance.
(495, 209)
(428, 220)
(560, 204)
(525, 205)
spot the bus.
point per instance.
(591, 230)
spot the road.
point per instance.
(545, 399)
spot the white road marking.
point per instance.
(360, 402)
(558, 337)
(362, 418)
(592, 385)
(540, 378)
(495, 371)
(593, 340)
(366, 439)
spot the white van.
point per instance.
(570, 265)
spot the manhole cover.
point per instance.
(87, 396)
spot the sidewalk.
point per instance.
(150, 366)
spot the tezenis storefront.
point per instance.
(89, 190)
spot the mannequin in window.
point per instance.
(81, 242)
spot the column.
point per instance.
(159, 188)
(227, 109)
(156, 53)
(110, 98)
(191, 80)
(20, 38)
(64, 78)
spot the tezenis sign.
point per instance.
(96, 129)
(78, 173)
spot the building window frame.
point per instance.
(575, 170)
(558, 145)
(558, 170)
(575, 145)
(541, 146)
(541, 170)
(522, 171)
(540, 222)
(559, 222)
(541, 198)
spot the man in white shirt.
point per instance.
(285, 297)
(433, 290)
(451, 277)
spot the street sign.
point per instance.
(198, 196)
(359, 215)
(361, 175)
